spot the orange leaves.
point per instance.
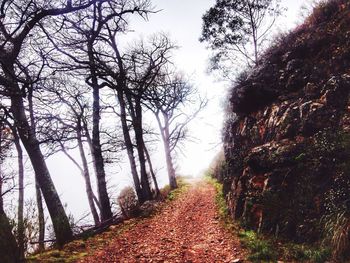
(186, 230)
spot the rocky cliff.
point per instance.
(287, 141)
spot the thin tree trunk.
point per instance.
(106, 212)
(41, 218)
(20, 234)
(39, 200)
(58, 216)
(166, 143)
(146, 189)
(136, 115)
(8, 247)
(43, 181)
(89, 142)
(86, 175)
(148, 157)
(129, 146)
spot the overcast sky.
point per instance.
(181, 19)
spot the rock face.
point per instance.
(287, 142)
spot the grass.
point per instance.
(263, 248)
(171, 195)
(78, 249)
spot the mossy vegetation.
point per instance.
(182, 187)
(266, 248)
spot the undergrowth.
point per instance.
(78, 249)
(263, 248)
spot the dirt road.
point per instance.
(188, 229)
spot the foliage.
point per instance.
(220, 197)
(337, 232)
(237, 29)
(128, 202)
(261, 250)
(324, 11)
(302, 252)
(336, 221)
(290, 60)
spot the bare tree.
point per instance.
(68, 130)
(86, 43)
(168, 99)
(18, 23)
(131, 74)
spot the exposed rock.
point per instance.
(287, 147)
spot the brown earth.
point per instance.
(188, 229)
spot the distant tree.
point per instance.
(130, 74)
(168, 97)
(237, 29)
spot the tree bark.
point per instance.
(86, 175)
(137, 123)
(20, 222)
(96, 151)
(166, 143)
(148, 157)
(129, 146)
(41, 218)
(39, 200)
(58, 216)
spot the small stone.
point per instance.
(237, 260)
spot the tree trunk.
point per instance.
(39, 200)
(86, 175)
(41, 218)
(96, 151)
(148, 157)
(8, 247)
(129, 146)
(141, 152)
(20, 234)
(89, 141)
(166, 142)
(58, 216)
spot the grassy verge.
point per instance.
(263, 248)
(78, 249)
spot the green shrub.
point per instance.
(260, 249)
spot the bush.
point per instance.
(128, 202)
(261, 250)
(337, 230)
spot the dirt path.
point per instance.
(187, 230)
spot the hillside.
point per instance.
(287, 142)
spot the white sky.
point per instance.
(181, 19)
